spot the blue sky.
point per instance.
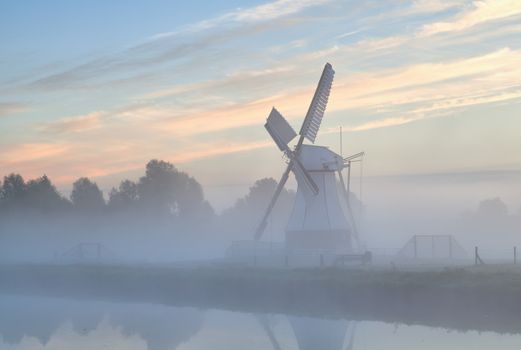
(98, 88)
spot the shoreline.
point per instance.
(457, 298)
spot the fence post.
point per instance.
(477, 258)
(432, 246)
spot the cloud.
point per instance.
(260, 13)
(369, 45)
(274, 9)
(431, 6)
(460, 102)
(66, 162)
(172, 47)
(439, 109)
(190, 41)
(218, 149)
(8, 109)
(73, 124)
(430, 81)
(216, 119)
(376, 124)
(480, 12)
(30, 152)
(236, 81)
(414, 92)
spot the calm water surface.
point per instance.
(30, 323)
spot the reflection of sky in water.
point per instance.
(29, 323)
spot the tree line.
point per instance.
(162, 191)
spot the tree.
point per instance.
(86, 196)
(125, 197)
(14, 187)
(42, 195)
(166, 191)
(492, 208)
(261, 192)
(259, 196)
(157, 188)
(190, 199)
(13, 190)
(247, 212)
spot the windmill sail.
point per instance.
(282, 133)
(280, 186)
(279, 129)
(318, 105)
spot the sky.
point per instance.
(99, 88)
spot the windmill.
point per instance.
(321, 216)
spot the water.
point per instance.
(31, 323)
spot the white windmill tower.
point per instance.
(321, 218)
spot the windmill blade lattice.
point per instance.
(318, 105)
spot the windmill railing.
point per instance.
(266, 254)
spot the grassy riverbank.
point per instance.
(456, 298)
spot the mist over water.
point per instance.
(48, 323)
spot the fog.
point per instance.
(148, 265)
(478, 208)
(164, 216)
